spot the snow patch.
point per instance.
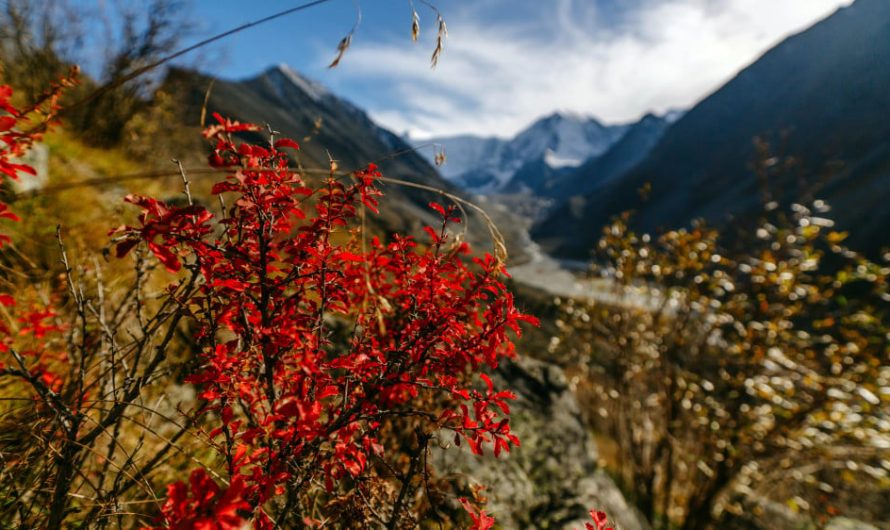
(673, 115)
(312, 89)
(557, 162)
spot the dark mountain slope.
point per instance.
(822, 96)
(536, 177)
(323, 123)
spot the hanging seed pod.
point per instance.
(341, 49)
(415, 25)
(440, 157)
(440, 42)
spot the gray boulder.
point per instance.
(843, 523)
(552, 480)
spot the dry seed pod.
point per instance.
(341, 49)
(443, 31)
(440, 41)
(456, 244)
(415, 25)
(440, 157)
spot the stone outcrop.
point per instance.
(552, 479)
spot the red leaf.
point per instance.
(222, 187)
(481, 520)
(438, 207)
(7, 123)
(488, 382)
(125, 246)
(286, 142)
(170, 261)
(6, 213)
(432, 233)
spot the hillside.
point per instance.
(324, 123)
(819, 97)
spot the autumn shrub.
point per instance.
(731, 372)
(326, 364)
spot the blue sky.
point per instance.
(507, 62)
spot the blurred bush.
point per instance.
(731, 376)
(40, 40)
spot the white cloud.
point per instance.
(495, 77)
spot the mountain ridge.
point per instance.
(486, 164)
(818, 97)
(324, 123)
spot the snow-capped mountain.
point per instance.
(288, 76)
(634, 146)
(559, 141)
(818, 98)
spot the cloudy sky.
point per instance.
(507, 62)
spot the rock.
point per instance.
(844, 523)
(38, 158)
(552, 480)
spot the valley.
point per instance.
(305, 319)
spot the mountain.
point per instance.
(465, 153)
(536, 177)
(559, 141)
(629, 151)
(819, 97)
(324, 123)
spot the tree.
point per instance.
(39, 42)
(714, 361)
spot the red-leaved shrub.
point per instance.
(330, 362)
